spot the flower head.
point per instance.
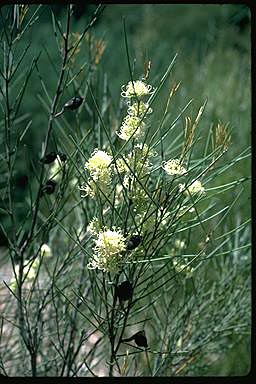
(173, 167)
(121, 165)
(131, 126)
(109, 247)
(142, 151)
(98, 163)
(136, 89)
(45, 250)
(193, 189)
(139, 109)
(94, 187)
(100, 169)
(137, 160)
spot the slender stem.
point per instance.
(50, 127)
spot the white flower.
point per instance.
(110, 242)
(121, 165)
(139, 109)
(99, 163)
(142, 151)
(101, 186)
(45, 250)
(137, 160)
(109, 247)
(100, 169)
(131, 126)
(136, 89)
(129, 182)
(173, 167)
(193, 189)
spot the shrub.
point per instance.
(125, 262)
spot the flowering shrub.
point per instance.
(143, 197)
(133, 181)
(125, 262)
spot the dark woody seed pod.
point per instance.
(71, 105)
(140, 339)
(124, 290)
(74, 103)
(48, 188)
(49, 158)
(133, 242)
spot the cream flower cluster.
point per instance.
(173, 167)
(139, 109)
(98, 164)
(137, 161)
(133, 125)
(136, 89)
(195, 188)
(108, 251)
(100, 170)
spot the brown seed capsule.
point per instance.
(49, 158)
(71, 105)
(140, 339)
(133, 242)
(74, 103)
(124, 290)
(48, 188)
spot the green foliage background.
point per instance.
(213, 46)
